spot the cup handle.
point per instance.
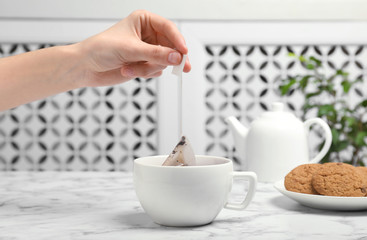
(328, 137)
(252, 178)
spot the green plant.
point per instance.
(326, 95)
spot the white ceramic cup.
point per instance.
(190, 195)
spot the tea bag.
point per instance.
(182, 155)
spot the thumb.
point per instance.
(157, 54)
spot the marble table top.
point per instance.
(95, 205)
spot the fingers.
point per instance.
(187, 66)
(142, 69)
(160, 55)
(154, 75)
(142, 45)
(126, 73)
(161, 41)
(166, 28)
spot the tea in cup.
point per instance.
(188, 195)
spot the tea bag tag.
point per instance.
(178, 69)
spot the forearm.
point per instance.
(39, 74)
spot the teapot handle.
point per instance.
(328, 137)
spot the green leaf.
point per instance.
(317, 61)
(346, 86)
(341, 146)
(330, 89)
(335, 135)
(304, 82)
(310, 66)
(284, 89)
(326, 110)
(302, 59)
(360, 138)
(351, 121)
(313, 94)
(291, 54)
(363, 103)
(341, 73)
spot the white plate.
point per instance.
(324, 202)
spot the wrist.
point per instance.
(79, 69)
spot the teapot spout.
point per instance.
(239, 133)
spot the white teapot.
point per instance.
(276, 142)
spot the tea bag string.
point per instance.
(180, 96)
(177, 70)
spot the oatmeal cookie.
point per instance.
(299, 179)
(363, 172)
(338, 179)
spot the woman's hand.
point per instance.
(141, 45)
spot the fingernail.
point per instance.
(128, 72)
(174, 58)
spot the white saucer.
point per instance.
(324, 202)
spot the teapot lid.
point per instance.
(277, 107)
(277, 110)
